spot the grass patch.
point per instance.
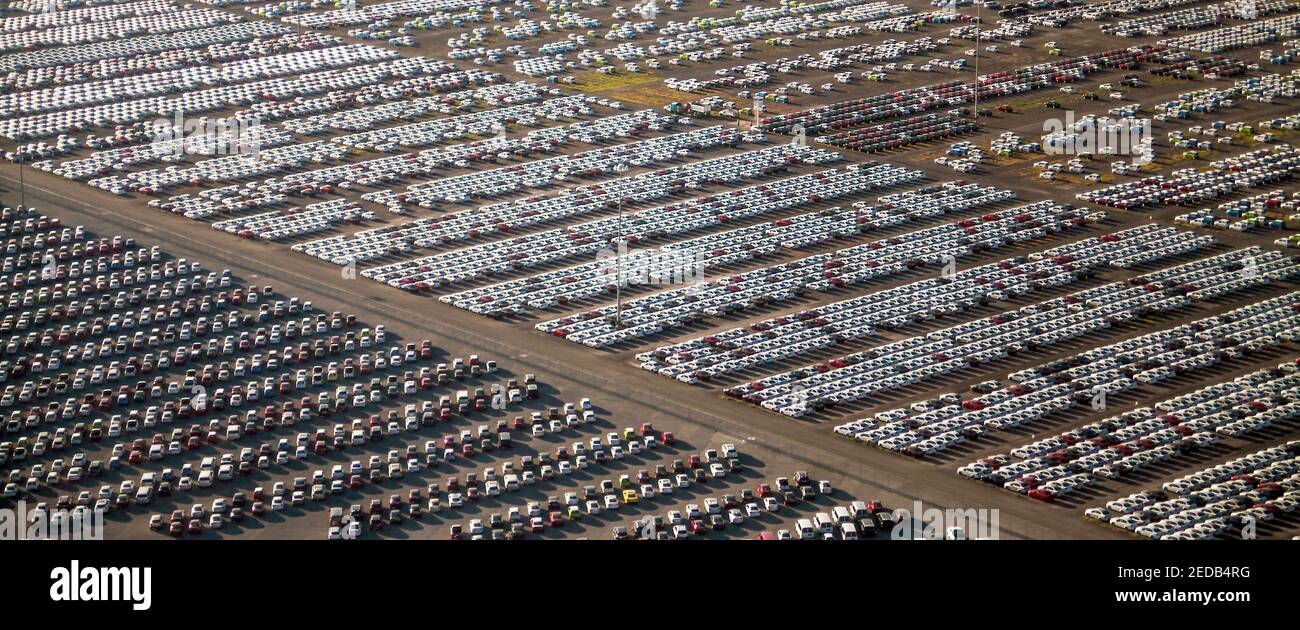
(650, 96)
(597, 82)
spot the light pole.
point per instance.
(618, 280)
(978, 5)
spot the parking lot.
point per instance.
(809, 283)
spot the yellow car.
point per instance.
(630, 497)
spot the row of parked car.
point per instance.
(1252, 32)
(198, 348)
(614, 267)
(67, 16)
(900, 133)
(241, 138)
(115, 150)
(1263, 88)
(1190, 186)
(1237, 495)
(565, 244)
(699, 41)
(366, 14)
(142, 85)
(491, 95)
(1082, 379)
(758, 74)
(1140, 438)
(913, 101)
(791, 336)
(1193, 19)
(236, 199)
(916, 359)
(242, 146)
(498, 218)
(278, 225)
(143, 45)
(153, 19)
(205, 100)
(401, 464)
(1055, 15)
(658, 483)
(668, 310)
(545, 173)
(103, 69)
(482, 123)
(427, 232)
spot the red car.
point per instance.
(1042, 494)
(647, 430)
(698, 527)
(764, 490)
(668, 438)
(556, 520)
